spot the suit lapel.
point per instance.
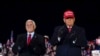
(33, 38)
(73, 31)
(25, 38)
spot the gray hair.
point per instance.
(33, 22)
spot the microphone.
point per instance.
(19, 48)
(74, 41)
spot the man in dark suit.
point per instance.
(31, 43)
(69, 38)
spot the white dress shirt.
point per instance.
(32, 34)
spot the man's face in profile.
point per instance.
(69, 21)
(29, 26)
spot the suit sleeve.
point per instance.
(40, 49)
(42, 43)
(54, 40)
(81, 40)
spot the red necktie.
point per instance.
(29, 39)
(69, 29)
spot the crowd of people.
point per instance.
(93, 48)
(94, 45)
(6, 49)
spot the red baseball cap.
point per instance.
(68, 14)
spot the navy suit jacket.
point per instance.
(70, 43)
(36, 47)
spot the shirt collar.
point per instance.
(69, 26)
(32, 34)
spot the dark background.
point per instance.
(47, 15)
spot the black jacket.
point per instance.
(36, 47)
(70, 43)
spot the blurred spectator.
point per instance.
(95, 52)
(1, 49)
(48, 46)
(53, 53)
(4, 50)
(97, 43)
(91, 47)
(87, 50)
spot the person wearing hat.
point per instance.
(68, 38)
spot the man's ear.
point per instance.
(74, 19)
(64, 20)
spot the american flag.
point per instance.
(10, 41)
(11, 37)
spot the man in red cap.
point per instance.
(69, 38)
